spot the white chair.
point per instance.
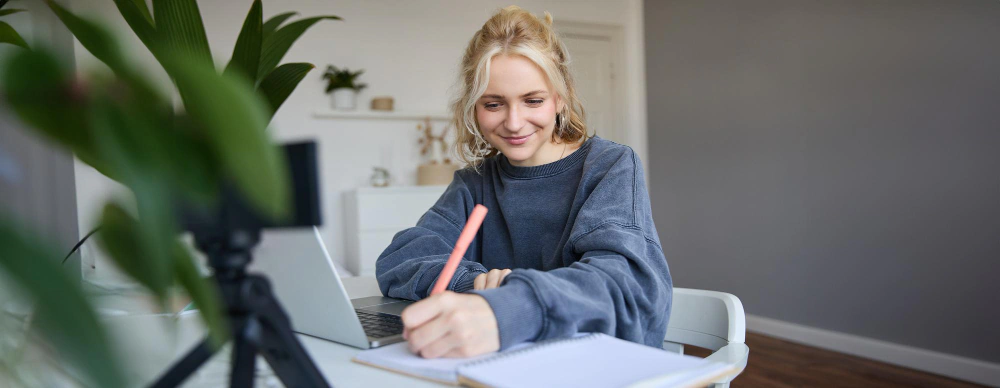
(712, 320)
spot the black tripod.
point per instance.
(257, 321)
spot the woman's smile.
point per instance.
(517, 140)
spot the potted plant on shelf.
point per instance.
(343, 86)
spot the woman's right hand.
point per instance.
(490, 279)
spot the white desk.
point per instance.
(332, 359)
(149, 352)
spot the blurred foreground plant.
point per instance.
(7, 33)
(127, 129)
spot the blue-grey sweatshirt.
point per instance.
(577, 233)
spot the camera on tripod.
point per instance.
(226, 233)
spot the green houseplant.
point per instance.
(128, 129)
(342, 84)
(7, 33)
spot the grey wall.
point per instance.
(834, 164)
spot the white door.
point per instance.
(592, 64)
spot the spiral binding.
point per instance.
(534, 347)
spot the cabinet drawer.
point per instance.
(372, 244)
(393, 209)
(375, 215)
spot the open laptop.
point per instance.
(306, 283)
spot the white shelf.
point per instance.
(379, 115)
(434, 189)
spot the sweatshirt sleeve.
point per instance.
(619, 285)
(410, 266)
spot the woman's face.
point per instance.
(517, 114)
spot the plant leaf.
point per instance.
(180, 29)
(93, 37)
(191, 165)
(272, 24)
(278, 43)
(4, 12)
(185, 165)
(103, 46)
(144, 9)
(8, 35)
(203, 292)
(120, 238)
(246, 54)
(234, 122)
(39, 89)
(63, 314)
(130, 146)
(136, 14)
(278, 85)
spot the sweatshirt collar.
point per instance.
(547, 169)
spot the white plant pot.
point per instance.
(344, 99)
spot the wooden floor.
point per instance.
(778, 363)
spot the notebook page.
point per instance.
(398, 358)
(596, 360)
(695, 377)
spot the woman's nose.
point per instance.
(514, 121)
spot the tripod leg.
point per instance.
(279, 345)
(187, 365)
(244, 358)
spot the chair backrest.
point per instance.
(706, 319)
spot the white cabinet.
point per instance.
(374, 215)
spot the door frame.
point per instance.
(616, 36)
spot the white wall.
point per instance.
(409, 49)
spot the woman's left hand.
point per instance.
(451, 325)
(492, 279)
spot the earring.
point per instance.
(483, 147)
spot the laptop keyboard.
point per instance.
(378, 325)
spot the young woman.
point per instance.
(568, 244)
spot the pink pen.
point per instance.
(464, 239)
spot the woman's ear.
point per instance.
(560, 104)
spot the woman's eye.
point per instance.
(491, 105)
(535, 101)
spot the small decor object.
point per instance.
(343, 86)
(382, 103)
(433, 144)
(439, 170)
(430, 174)
(380, 177)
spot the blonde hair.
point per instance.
(513, 31)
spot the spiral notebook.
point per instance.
(591, 360)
